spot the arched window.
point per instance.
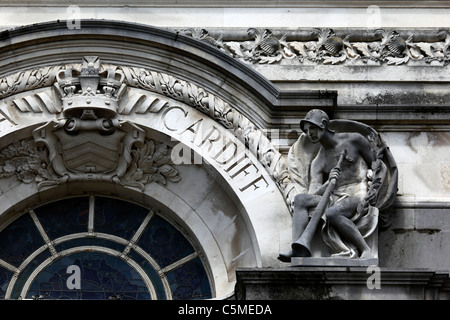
(95, 247)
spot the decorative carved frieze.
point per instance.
(323, 46)
(29, 80)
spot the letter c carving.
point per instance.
(167, 111)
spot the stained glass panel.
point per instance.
(110, 265)
(164, 242)
(151, 273)
(102, 277)
(5, 278)
(27, 271)
(19, 240)
(189, 281)
(65, 217)
(118, 217)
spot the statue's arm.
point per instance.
(316, 185)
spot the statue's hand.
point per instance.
(334, 173)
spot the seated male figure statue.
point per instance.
(350, 188)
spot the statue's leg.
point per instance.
(339, 217)
(302, 204)
(300, 219)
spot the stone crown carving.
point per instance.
(90, 88)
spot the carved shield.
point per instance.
(91, 152)
(88, 154)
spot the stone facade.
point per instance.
(195, 119)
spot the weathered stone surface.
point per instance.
(418, 236)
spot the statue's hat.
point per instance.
(316, 117)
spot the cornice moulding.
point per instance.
(236, 4)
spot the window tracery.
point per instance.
(123, 251)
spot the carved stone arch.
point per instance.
(217, 202)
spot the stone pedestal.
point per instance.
(333, 262)
(341, 283)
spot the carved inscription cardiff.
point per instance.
(225, 150)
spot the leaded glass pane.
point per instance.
(19, 240)
(5, 278)
(189, 281)
(65, 217)
(102, 277)
(111, 265)
(164, 242)
(151, 273)
(118, 217)
(27, 271)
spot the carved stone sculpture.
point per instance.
(346, 176)
(88, 142)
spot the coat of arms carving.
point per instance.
(89, 142)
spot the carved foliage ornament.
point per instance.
(26, 161)
(326, 47)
